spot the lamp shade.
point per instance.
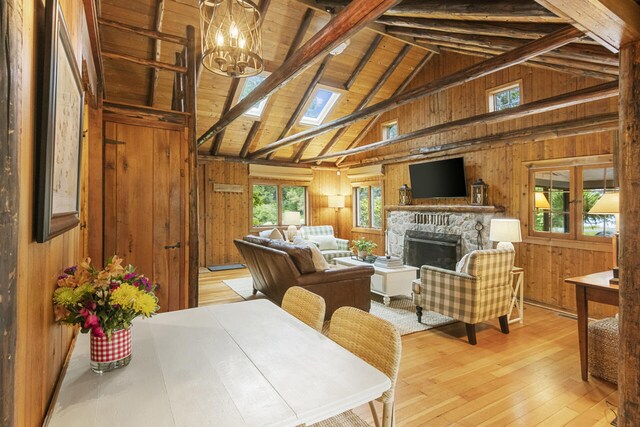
(542, 202)
(608, 204)
(505, 230)
(291, 218)
(336, 201)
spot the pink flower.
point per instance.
(91, 305)
(84, 312)
(91, 321)
(97, 331)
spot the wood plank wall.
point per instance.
(546, 263)
(42, 344)
(225, 216)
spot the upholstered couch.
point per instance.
(342, 249)
(276, 266)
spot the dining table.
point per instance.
(241, 364)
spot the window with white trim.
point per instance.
(389, 130)
(322, 102)
(270, 201)
(505, 96)
(249, 84)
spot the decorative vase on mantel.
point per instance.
(109, 354)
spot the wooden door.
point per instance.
(146, 215)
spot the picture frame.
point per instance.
(60, 137)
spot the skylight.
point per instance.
(322, 102)
(250, 84)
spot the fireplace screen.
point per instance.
(435, 249)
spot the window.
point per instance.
(389, 130)
(563, 197)
(250, 83)
(270, 201)
(322, 102)
(368, 202)
(503, 97)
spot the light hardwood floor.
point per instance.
(527, 378)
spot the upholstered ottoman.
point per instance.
(603, 349)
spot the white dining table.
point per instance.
(243, 364)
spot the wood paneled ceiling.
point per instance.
(482, 28)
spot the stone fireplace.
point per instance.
(448, 229)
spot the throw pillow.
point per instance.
(463, 265)
(300, 255)
(273, 234)
(319, 262)
(256, 239)
(325, 243)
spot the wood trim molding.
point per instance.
(10, 136)
(446, 208)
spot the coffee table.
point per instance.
(388, 282)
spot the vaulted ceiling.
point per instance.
(415, 30)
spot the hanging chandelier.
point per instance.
(231, 39)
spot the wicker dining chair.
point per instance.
(378, 343)
(305, 306)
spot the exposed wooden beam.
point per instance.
(250, 136)
(613, 23)
(629, 175)
(539, 62)
(344, 25)
(234, 159)
(305, 97)
(586, 53)
(145, 62)
(372, 26)
(603, 91)
(263, 8)
(468, 10)
(516, 30)
(403, 86)
(564, 64)
(141, 112)
(193, 54)
(302, 30)
(156, 49)
(91, 15)
(158, 35)
(491, 65)
(585, 126)
(363, 62)
(366, 100)
(11, 141)
(231, 94)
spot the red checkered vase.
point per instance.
(107, 355)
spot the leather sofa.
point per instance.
(274, 271)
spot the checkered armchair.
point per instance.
(326, 230)
(482, 293)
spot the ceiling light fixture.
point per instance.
(231, 37)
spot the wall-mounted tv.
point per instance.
(442, 178)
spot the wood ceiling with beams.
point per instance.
(414, 30)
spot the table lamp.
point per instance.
(609, 204)
(336, 202)
(542, 202)
(505, 231)
(292, 219)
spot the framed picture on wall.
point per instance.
(60, 137)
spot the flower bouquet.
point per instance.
(104, 303)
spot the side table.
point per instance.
(517, 295)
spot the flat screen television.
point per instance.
(442, 178)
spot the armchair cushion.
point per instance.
(306, 231)
(325, 242)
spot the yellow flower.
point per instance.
(66, 297)
(145, 303)
(124, 296)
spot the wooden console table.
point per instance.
(592, 287)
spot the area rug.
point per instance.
(400, 312)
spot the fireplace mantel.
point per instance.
(446, 208)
